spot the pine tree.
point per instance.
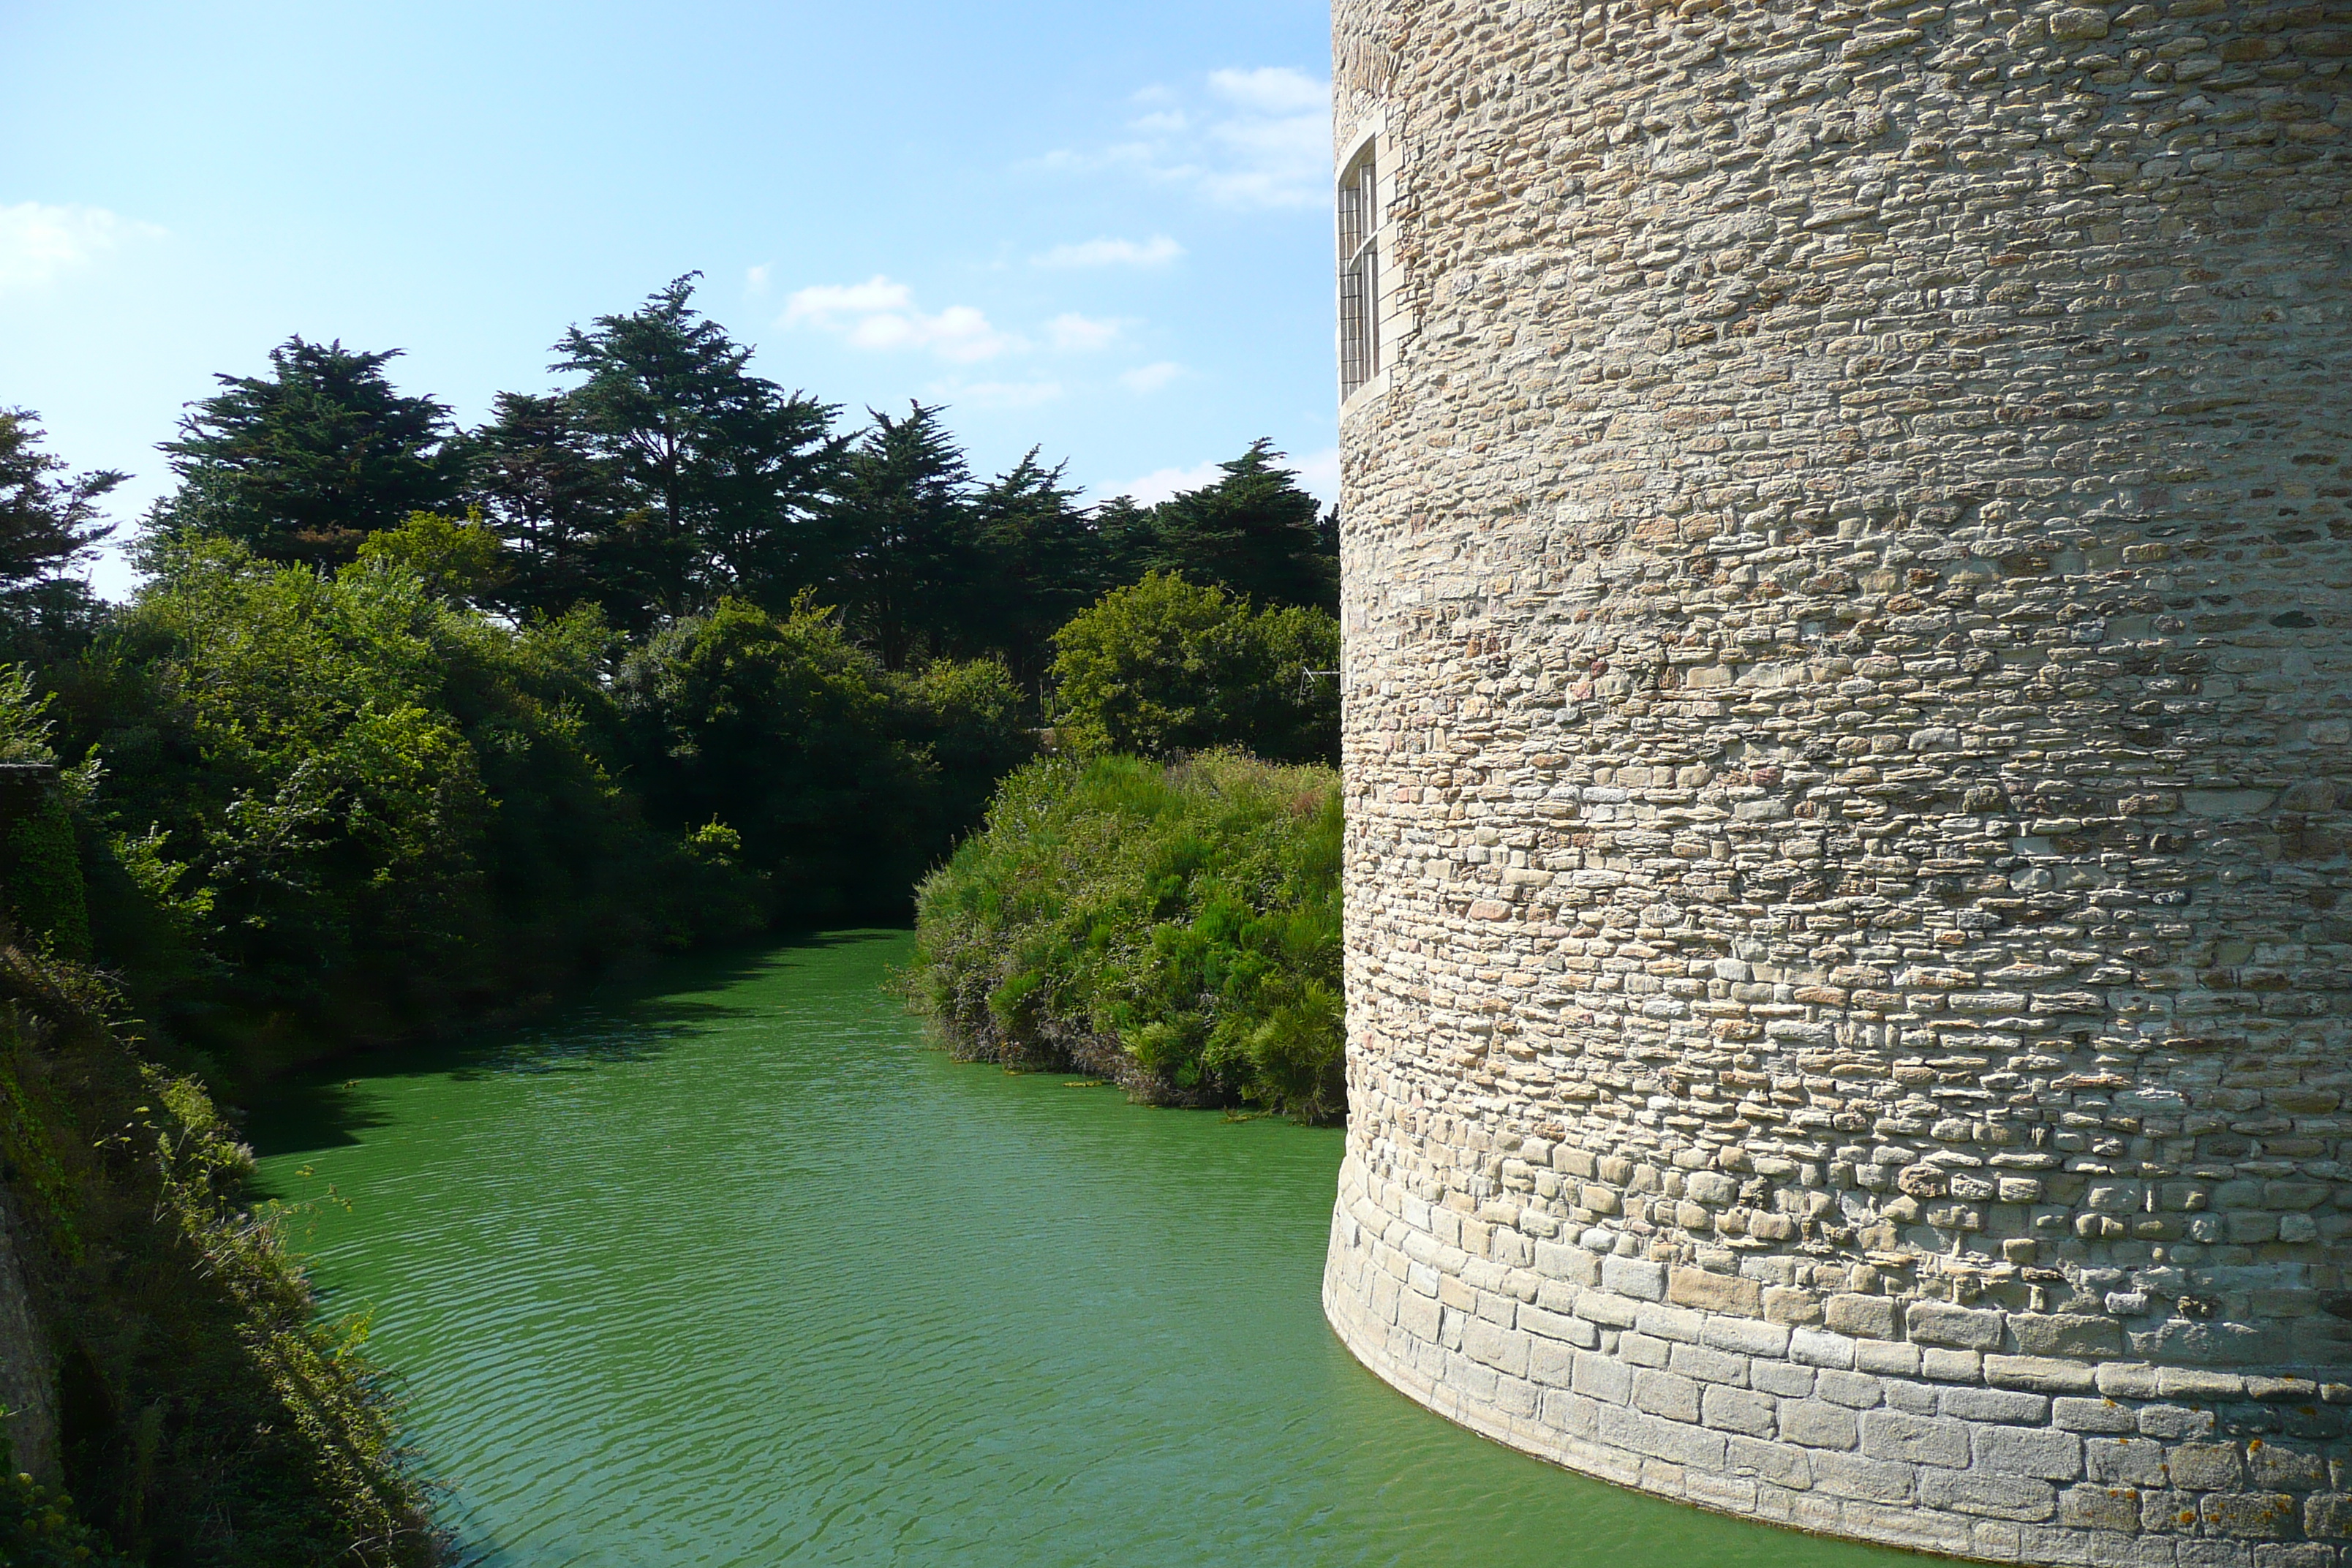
(48, 523)
(714, 476)
(302, 464)
(1252, 533)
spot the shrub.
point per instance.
(1174, 927)
(1168, 666)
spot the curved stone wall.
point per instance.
(1849, 751)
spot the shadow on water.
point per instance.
(621, 1020)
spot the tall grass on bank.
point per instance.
(1173, 927)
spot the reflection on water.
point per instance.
(725, 1272)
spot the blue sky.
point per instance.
(1103, 230)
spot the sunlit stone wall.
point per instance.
(1849, 754)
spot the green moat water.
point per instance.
(729, 1271)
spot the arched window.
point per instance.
(1359, 297)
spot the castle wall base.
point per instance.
(1588, 1360)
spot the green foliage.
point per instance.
(40, 1529)
(668, 478)
(1175, 927)
(906, 561)
(342, 808)
(48, 523)
(1252, 533)
(1168, 666)
(842, 780)
(457, 558)
(207, 1418)
(304, 463)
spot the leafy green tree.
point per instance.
(712, 475)
(458, 558)
(49, 523)
(1252, 533)
(1174, 928)
(1168, 666)
(780, 729)
(302, 464)
(364, 806)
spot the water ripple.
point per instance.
(728, 1274)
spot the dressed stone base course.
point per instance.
(1944, 1441)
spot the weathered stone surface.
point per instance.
(1848, 738)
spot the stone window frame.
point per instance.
(1367, 175)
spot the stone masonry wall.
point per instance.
(1849, 751)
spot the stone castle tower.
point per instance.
(1849, 751)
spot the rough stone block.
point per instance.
(1771, 1461)
(1851, 1389)
(2093, 1415)
(1737, 1410)
(2029, 1451)
(2065, 1334)
(2205, 1467)
(2124, 1461)
(1853, 1476)
(2302, 1555)
(1745, 1336)
(1818, 1424)
(2251, 1516)
(1709, 1365)
(1862, 1317)
(2042, 1374)
(1994, 1496)
(1698, 1288)
(1914, 1439)
(1633, 1277)
(1661, 1439)
(2327, 1516)
(1603, 1377)
(2100, 1507)
(1941, 1323)
(2000, 1404)
(2275, 1469)
(1665, 1394)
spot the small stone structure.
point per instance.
(1849, 748)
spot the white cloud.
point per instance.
(1161, 483)
(1072, 332)
(755, 279)
(1149, 378)
(38, 243)
(880, 314)
(998, 394)
(1259, 138)
(1156, 252)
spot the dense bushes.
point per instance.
(1174, 927)
(843, 781)
(1168, 666)
(334, 808)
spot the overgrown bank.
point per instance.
(196, 1410)
(1171, 926)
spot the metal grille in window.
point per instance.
(1360, 328)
